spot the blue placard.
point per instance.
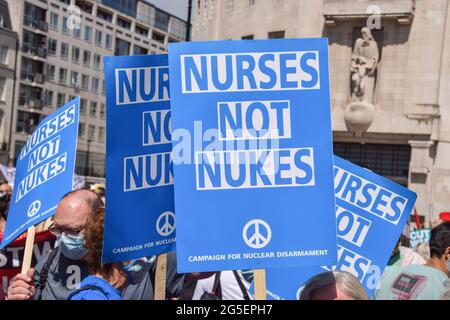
(44, 170)
(252, 151)
(371, 212)
(139, 217)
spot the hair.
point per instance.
(93, 241)
(94, 201)
(440, 239)
(347, 282)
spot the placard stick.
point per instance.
(259, 278)
(28, 252)
(160, 277)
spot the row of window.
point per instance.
(75, 54)
(61, 100)
(75, 79)
(270, 35)
(91, 130)
(100, 40)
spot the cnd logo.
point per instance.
(74, 20)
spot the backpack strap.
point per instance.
(217, 289)
(84, 288)
(46, 268)
(241, 285)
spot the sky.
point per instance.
(176, 7)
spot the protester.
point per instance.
(403, 255)
(333, 285)
(225, 285)
(5, 197)
(59, 272)
(107, 281)
(421, 282)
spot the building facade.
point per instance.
(8, 49)
(399, 125)
(61, 48)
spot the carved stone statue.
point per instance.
(364, 64)
(360, 113)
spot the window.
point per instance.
(53, 21)
(95, 83)
(18, 145)
(141, 30)
(101, 134)
(48, 99)
(108, 41)
(85, 82)
(98, 38)
(64, 50)
(123, 23)
(26, 121)
(74, 79)
(161, 20)
(77, 32)
(137, 50)
(65, 26)
(87, 58)
(93, 109)
(122, 48)
(104, 15)
(61, 100)
(4, 54)
(50, 72)
(158, 37)
(2, 89)
(81, 130)
(103, 87)
(102, 111)
(52, 46)
(391, 161)
(248, 37)
(75, 54)
(88, 33)
(178, 28)
(83, 106)
(276, 35)
(97, 61)
(91, 132)
(62, 75)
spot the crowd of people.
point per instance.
(73, 269)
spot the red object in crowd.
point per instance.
(416, 216)
(445, 216)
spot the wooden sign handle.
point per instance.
(160, 277)
(28, 252)
(259, 279)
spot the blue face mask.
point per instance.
(136, 269)
(72, 246)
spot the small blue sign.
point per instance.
(139, 218)
(44, 171)
(371, 212)
(252, 149)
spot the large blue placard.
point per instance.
(252, 149)
(371, 212)
(44, 170)
(139, 217)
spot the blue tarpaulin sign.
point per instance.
(44, 170)
(139, 217)
(252, 154)
(371, 212)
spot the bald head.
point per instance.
(75, 208)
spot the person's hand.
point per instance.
(22, 287)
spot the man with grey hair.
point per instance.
(59, 272)
(333, 285)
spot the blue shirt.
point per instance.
(108, 291)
